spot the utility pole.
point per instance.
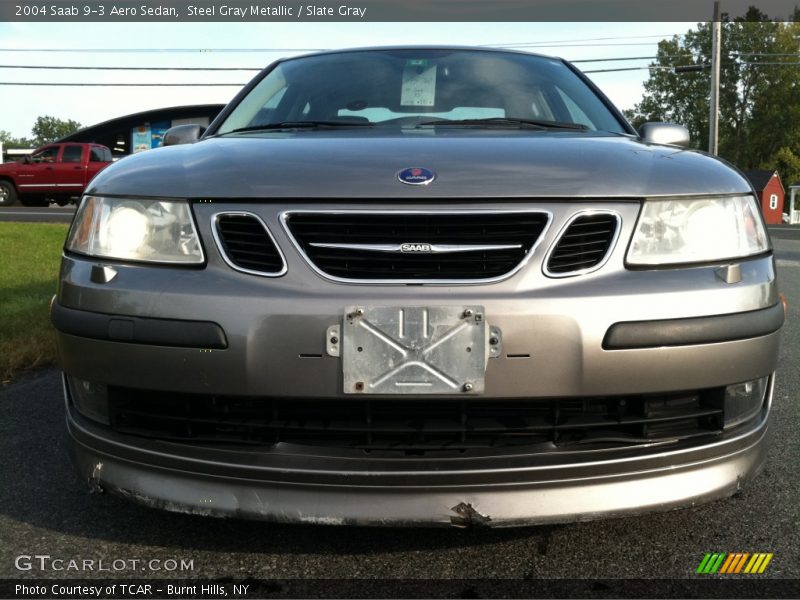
(713, 117)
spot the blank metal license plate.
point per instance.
(414, 350)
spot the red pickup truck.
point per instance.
(56, 172)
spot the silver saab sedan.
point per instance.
(419, 286)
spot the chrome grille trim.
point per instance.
(434, 248)
(285, 216)
(557, 240)
(221, 247)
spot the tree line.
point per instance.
(45, 130)
(759, 98)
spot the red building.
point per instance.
(770, 192)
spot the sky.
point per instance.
(213, 45)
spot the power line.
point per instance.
(689, 55)
(156, 50)
(83, 84)
(83, 68)
(701, 66)
(656, 67)
(763, 64)
(698, 66)
(583, 60)
(600, 39)
(588, 60)
(617, 70)
(762, 54)
(542, 45)
(105, 68)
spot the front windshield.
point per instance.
(409, 87)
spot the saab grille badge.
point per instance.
(416, 176)
(415, 248)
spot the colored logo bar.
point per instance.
(734, 563)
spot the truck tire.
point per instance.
(8, 193)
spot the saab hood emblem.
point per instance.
(416, 176)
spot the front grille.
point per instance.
(403, 246)
(247, 244)
(584, 244)
(416, 426)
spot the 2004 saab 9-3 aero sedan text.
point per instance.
(419, 286)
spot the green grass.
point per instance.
(30, 254)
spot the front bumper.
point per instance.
(293, 485)
(606, 333)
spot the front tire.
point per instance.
(8, 193)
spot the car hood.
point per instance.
(357, 163)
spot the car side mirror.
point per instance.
(26, 160)
(183, 134)
(670, 134)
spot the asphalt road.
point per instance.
(33, 214)
(45, 511)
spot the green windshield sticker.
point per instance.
(417, 62)
(419, 84)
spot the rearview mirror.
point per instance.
(665, 133)
(183, 134)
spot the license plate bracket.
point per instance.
(414, 350)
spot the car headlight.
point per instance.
(697, 230)
(142, 230)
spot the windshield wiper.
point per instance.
(506, 121)
(300, 125)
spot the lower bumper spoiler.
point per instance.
(555, 495)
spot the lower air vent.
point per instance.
(433, 425)
(584, 244)
(247, 245)
(402, 246)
